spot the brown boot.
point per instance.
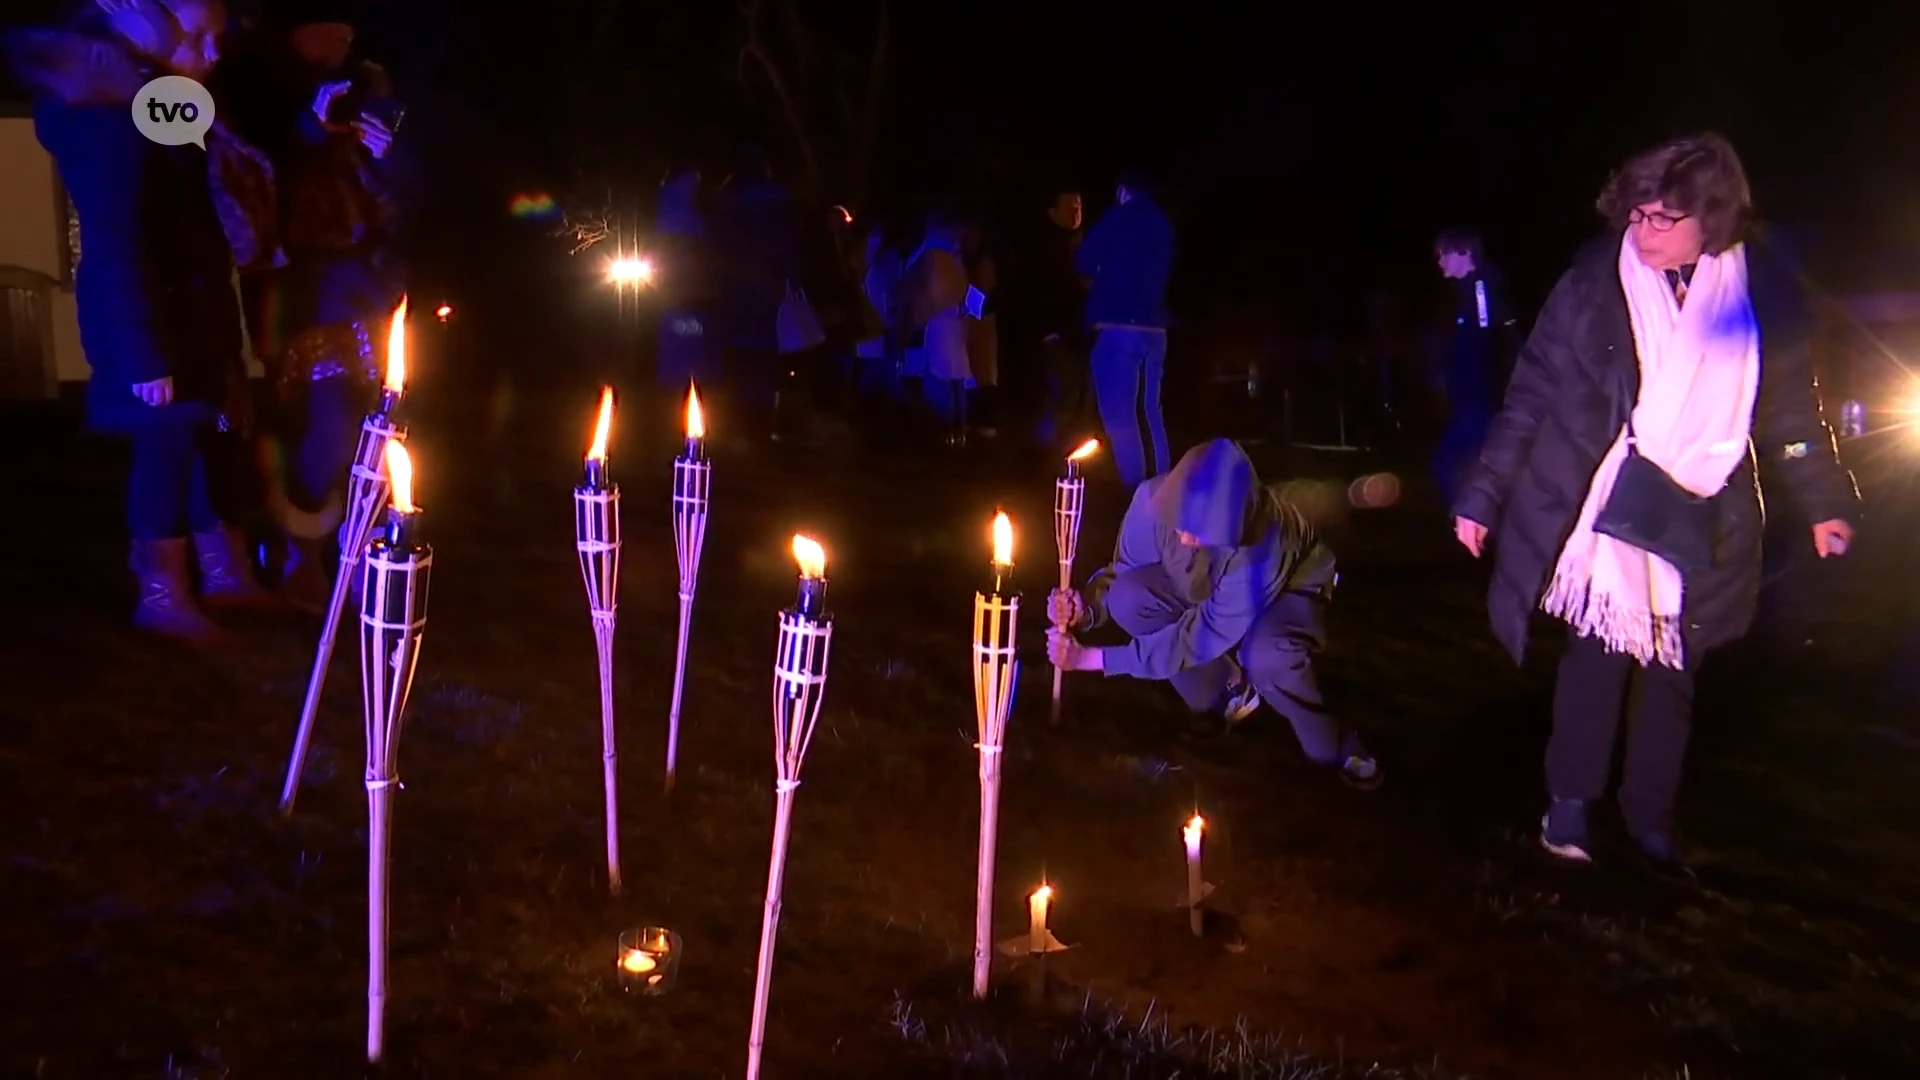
(305, 584)
(166, 605)
(226, 575)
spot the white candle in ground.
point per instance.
(1196, 885)
(1037, 905)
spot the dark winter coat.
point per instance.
(154, 281)
(1128, 257)
(1571, 391)
(1480, 356)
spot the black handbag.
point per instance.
(1649, 510)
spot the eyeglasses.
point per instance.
(1658, 221)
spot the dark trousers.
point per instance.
(1459, 449)
(1590, 695)
(943, 405)
(170, 486)
(1276, 657)
(1128, 364)
(1067, 413)
(321, 428)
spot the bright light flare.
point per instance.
(400, 477)
(628, 270)
(811, 557)
(396, 382)
(602, 427)
(443, 312)
(1002, 539)
(1042, 894)
(1087, 449)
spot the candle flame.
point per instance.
(443, 311)
(811, 557)
(696, 417)
(1002, 539)
(602, 427)
(397, 350)
(400, 477)
(1087, 449)
(1195, 826)
(1043, 893)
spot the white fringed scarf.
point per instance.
(1699, 374)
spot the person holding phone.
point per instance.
(328, 122)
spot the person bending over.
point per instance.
(1223, 588)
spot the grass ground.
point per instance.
(161, 920)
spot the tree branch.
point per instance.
(868, 130)
(755, 49)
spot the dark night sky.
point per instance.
(1323, 143)
(1298, 144)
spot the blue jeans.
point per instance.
(169, 490)
(1128, 364)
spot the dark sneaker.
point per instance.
(1662, 854)
(1563, 831)
(1242, 701)
(1362, 772)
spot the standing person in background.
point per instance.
(1481, 341)
(757, 249)
(325, 119)
(1673, 349)
(159, 319)
(1128, 257)
(1050, 380)
(983, 333)
(877, 355)
(932, 301)
(681, 247)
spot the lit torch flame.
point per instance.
(1043, 894)
(811, 557)
(1191, 833)
(1087, 450)
(696, 418)
(1002, 539)
(396, 383)
(400, 477)
(602, 427)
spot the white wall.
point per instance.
(32, 230)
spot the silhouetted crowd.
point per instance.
(1607, 461)
(283, 232)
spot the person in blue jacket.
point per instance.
(159, 318)
(1223, 588)
(1127, 257)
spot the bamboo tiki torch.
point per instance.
(393, 619)
(596, 536)
(1069, 504)
(799, 686)
(996, 670)
(366, 495)
(692, 485)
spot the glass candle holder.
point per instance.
(648, 962)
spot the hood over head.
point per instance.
(1212, 493)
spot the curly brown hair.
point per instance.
(1700, 175)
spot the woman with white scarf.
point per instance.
(1671, 353)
